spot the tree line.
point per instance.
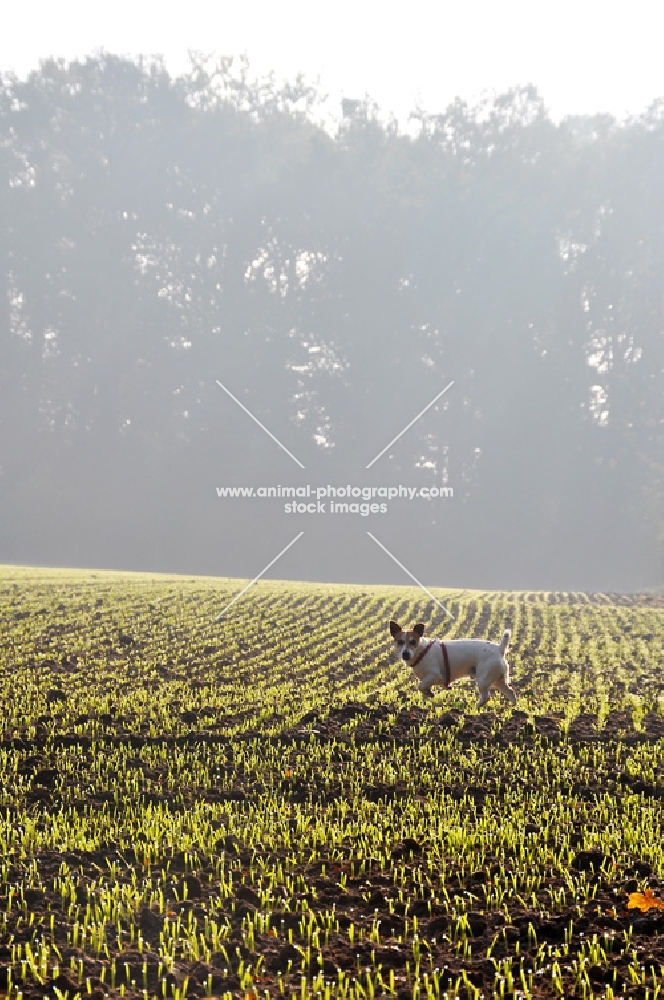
(159, 233)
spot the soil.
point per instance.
(362, 901)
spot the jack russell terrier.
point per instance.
(443, 663)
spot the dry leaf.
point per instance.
(644, 901)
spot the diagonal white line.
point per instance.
(245, 589)
(269, 433)
(411, 576)
(407, 426)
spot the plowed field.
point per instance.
(264, 806)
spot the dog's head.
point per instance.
(406, 642)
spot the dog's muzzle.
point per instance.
(405, 655)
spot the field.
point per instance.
(265, 807)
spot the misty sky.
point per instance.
(584, 55)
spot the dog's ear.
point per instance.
(419, 629)
(394, 628)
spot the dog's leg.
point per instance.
(506, 690)
(484, 697)
(425, 688)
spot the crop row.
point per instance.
(263, 807)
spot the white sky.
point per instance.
(583, 55)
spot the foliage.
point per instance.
(161, 233)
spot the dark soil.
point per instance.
(146, 662)
(365, 901)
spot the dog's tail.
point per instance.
(505, 641)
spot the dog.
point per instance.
(443, 663)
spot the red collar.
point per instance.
(447, 679)
(422, 653)
(446, 660)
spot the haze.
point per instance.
(168, 225)
(584, 57)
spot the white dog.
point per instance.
(443, 663)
